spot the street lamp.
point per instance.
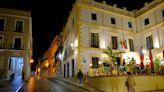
(31, 61)
(47, 64)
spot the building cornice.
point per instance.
(112, 29)
(103, 6)
(91, 4)
(15, 12)
(149, 29)
(149, 7)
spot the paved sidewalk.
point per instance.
(77, 84)
(14, 86)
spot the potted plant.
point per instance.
(107, 68)
(113, 57)
(157, 65)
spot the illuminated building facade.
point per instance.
(94, 26)
(15, 43)
(47, 61)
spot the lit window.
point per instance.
(149, 42)
(131, 45)
(114, 42)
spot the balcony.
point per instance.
(16, 47)
(18, 31)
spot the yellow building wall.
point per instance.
(11, 16)
(117, 83)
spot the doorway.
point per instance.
(16, 66)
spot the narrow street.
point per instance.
(49, 85)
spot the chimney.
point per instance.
(146, 5)
(115, 5)
(104, 2)
(124, 8)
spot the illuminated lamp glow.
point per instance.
(71, 44)
(47, 64)
(31, 61)
(144, 51)
(100, 62)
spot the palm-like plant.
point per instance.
(112, 55)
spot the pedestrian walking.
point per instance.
(80, 77)
(130, 82)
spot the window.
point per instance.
(19, 26)
(130, 24)
(10, 64)
(131, 45)
(146, 21)
(64, 70)
(68, 69)
(94, 40)
(1, 62)
(94, 17)
(149, 42)
(1, 42)
(163, 13)
(114, 42)
(113, 21)
(17, 43)
(2, 24)
(95, 62)
(73, 68)
(73, 22)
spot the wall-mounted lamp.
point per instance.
(144, 51)
(100, 62)
(71, 44)
(31, 61)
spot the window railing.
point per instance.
(94, 46)
(20, 31)
(16, 47)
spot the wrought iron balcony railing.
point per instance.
(14, 47)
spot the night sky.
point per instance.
(49, 17)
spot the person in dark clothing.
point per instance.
(80, 77)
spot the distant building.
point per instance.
(47, 61)
(15, 43)
(93, 26)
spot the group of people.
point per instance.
(130, 82)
